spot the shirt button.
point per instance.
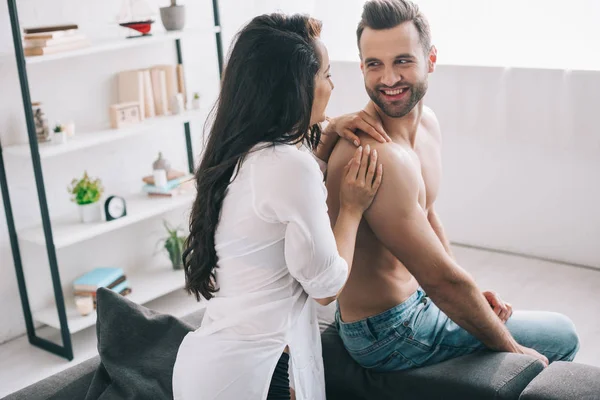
(405, 323)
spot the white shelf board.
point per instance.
(102, 46)
(146, 285)
(68, 230)
(85, 140)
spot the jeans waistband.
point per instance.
(383, 320)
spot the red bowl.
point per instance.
(142, 27)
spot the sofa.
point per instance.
(136, 358)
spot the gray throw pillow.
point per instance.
(137, 349)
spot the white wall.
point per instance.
(521, 156)
(82, 89)
(542, 201)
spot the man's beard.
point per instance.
(400, 108)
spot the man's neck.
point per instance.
(403, 129)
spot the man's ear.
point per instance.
(432, 59)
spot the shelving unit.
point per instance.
(89, 139)
(149, 284)
(57, 233)
(68, 231)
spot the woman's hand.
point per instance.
(362, 178)
(347, 125)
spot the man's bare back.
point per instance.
(375, 268)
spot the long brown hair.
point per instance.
(266, 97)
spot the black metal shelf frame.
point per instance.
(66, 350)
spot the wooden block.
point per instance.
(124, 114)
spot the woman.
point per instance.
(261, 244)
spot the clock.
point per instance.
(114, 208)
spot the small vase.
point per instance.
(175, 256)
(173, 17)
(196, 104)
(59, 137)
(90, 213)
(42, 129)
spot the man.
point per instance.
(407, 302)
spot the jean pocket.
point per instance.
(357, 340)
(419, 316)
(394, 362)
(423, 324)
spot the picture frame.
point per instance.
(125, 114)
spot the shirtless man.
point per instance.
(407, 302)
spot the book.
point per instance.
(172, 193)
(171, 175)
(172, 87)
(159, 89)
(181, 83)
(98, 277)
(131, 88)
(171, 185)
(149, 111)
(50, 35)
(50, 28)
(40, 51)
(118, 288)
(53, 41)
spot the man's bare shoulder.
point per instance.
(400, 173)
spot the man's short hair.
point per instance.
(387, 14)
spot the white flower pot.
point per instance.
(196, 104)
(90, 212)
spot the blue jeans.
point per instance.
(417, 333)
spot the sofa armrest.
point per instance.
(72, 383)
(565, 381)
(485, 375)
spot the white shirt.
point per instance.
(276, 251)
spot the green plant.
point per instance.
(58, 128)
(196, 96)
(174, 243)
(85, 190)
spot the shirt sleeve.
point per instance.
(322, 164)
(290, 190)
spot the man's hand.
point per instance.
(347, 125)
(503, 310)
(533, 353)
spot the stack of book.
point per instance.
(177, 182)
(52, 39)
(154, 88)
(110, 278)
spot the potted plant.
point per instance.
(196, 101)
(173, 17)
(173, 244)
(86, 193)
(60, 134)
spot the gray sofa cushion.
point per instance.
(137, 348)
(485, 375)
(565, 381)
(74, 382)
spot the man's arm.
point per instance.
(402, 226)
(436, 225)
